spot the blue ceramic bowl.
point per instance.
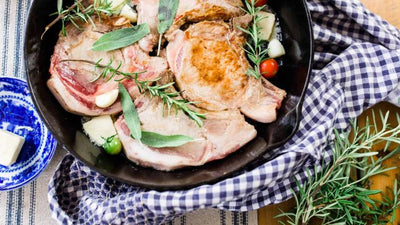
(18, 115)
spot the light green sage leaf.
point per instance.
(59, 5)
(166, 14)
(130, 113)
(121, 38)
(161, 141)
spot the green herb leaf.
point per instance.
(166, 14)
(59, 5)
(121, 38)
(130, 113)
(161, 141)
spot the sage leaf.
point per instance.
(130, 113)
(121, 38)
(166, 14)
(59, 6)
(161, 141)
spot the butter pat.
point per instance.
(98, 128)
(10, 147)
(266, 24)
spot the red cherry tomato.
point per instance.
(259, 3)
(268, 68)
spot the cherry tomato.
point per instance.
(112, 145)
(268, 68)
(259, 3)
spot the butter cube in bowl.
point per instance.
(26, 146)
(10, 147)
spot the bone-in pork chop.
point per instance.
(71, 82)
(221, 134)
(188, 11)
(210, 67)
(201, 10)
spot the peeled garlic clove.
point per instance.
(128, 13)
(106, 99)
(275, 49)
(116, 5)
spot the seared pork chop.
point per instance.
(201, 10)
(71, 82)
(210, 67)
(188, 11)
(222, 133)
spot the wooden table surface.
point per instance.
(390, 11)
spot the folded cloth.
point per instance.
(357, 64)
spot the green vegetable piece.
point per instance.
(166, 14)
(121, 38)
(59, 6)
(160, 141)
(112, 145)
(130, 113)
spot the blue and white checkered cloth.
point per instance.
(357, 64)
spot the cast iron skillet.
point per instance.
(67, 129)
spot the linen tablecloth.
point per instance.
(29, 205)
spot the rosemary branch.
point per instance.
(255, 53)
(78, 11)
(333, 195)
(169, 99)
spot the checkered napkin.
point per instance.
(357, 64)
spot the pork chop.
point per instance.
(201, 10)
(71, 82)
(222, 133)
(188, 11)
(210, 67)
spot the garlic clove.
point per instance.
(275, 49)
(106, 99)
(129, 13)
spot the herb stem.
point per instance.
(78, 11)
(159, 45)
(253, 50)
(59, 17)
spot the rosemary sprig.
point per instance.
(169, 99)
(334, 195)
(253, 49)
(78, 11)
